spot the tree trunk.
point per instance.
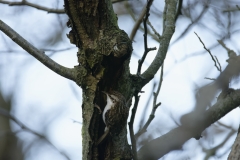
(103, 56)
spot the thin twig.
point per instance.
(143, 117)
(233, 9)
(116, 1)
(74, 121)
(154, 30)
(213, 79)
(137, 23)
(26, 3)
(218, 63)
(146, 49)
(225, 126)
(215, 63)
(154, 107)
(57, 50)
(133, 140)
(53, 52)
(191, 25)
(5, 113)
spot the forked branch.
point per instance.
(169, 28)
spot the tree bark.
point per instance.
(103, 56)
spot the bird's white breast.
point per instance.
(107, 107)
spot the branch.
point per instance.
(154, 108)
(137, 23)
(5, 113)
(169, 28)
(207, 93)
(116, 1)
(143, 117)
(133, 140)
(26, 3)
(154, 30)
(174, 139)
(233, 9)
(215, 63)
(39, 55)
(191, 25)
(146, 49)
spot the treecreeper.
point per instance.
(114, 115)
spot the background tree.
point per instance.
(104, 53)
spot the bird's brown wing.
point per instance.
(116, 118)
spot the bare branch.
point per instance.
(74, 121)
(213, 79)
(137, 23)
(116, 1)
(225, 126)
(146, 49)
(207, 93)
(215, 63)
(142, 121)
(26, 3)
(218, 63)
(154, 108)
(175, 138)
(154, 30)
(164, 42)
(39, 55)
(53, 51)
(133, 140)
(194, 22)
(233, 9)
(5, 113)
(57, 50)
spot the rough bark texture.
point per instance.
(104, 52)
(235, 154)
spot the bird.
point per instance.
(114, 115)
